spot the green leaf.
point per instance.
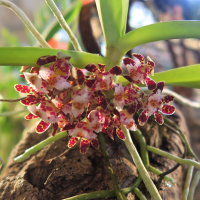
(69, 15)
(113, 16)
(27, 56)
(182, 76)
(159, 31)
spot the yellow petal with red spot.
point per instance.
(23, 88)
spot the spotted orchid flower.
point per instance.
(154, 103)
(57, 74)
(82, 130)
(81, 98)
(47, 112)
(59, 101)
(125, 96)
(103, 79)
(79, 103)
(140, 74)
(97, 120)
(37, 85)
(126, 119)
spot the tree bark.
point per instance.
(57, 172)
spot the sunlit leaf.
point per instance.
(159, 31)
(18, 56)
(113, 16)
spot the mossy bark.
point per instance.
(57, 172)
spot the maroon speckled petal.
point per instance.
(46, 59)
(116, 112)
(120, 134)
(158, 118)
(139, 105)
(100, 93)
(35, 70)
(30, 116)
(95, 143)
(72, 142)
(42, 126)
(143, 118)
(151, 84)
(69, 126)
(116, 70)
(101, 67)
(167, 99)
(168, 110)
(128, 61)
(128, 78)
(103, 103)
(159, 86)
(55, 129)
(109, 132)
(80, 77)
(91, 67)
(84, 145)
(30, 100)
(89, 83)
(132, 109)
(150, 65)
(139, 57)
(106, 122)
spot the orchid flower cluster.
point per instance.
(77, 100)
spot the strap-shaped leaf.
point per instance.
(159, 31)
(27, 56)
(113, 16)
(182, 76)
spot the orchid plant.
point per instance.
(85, 95)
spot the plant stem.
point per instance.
(144, 155)
(194, 185)
(140, 166)
(105, 193)
(187, 182)
(135, 184)
(26, 22)
(119, 194)
(142, 142)
(39, 146)
(189, 149)
(174, 158)
(139, 194)
(157, 172)
(115, 56)
(11, 113)
(13, 100)
(63, 24)
(2, 164)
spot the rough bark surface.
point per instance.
(51, 174)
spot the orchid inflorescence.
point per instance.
(76, 100)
